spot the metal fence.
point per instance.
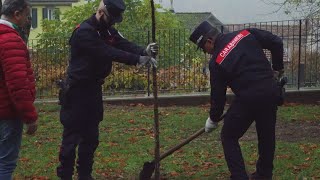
(182, 69)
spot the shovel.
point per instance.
(148, 167)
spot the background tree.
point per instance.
(136, 18)
(302, 9)
(52, 45)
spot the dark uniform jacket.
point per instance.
(93, 49)
(239, 62)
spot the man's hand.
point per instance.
(278, 74)
(152, 49)
(210, 125)
(144, 60)
(32, 128)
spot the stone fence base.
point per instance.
(292, 96)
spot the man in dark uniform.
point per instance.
(238, 61)
(95, 44)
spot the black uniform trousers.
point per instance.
(239, 117)
(80, 116)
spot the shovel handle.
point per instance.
(186, 141)
(181, 144)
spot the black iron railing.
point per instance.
(182, 69)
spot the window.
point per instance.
(34, 18)
(50, 13)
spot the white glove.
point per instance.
(32, 128)
(210, 125)
(143, 60)
(152, 49)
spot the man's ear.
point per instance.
(17, 14)
(100, 12)
(210, 41)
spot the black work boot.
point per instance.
(256, 176)
(65, 178)
(85, 178)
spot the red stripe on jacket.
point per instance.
(231, 45)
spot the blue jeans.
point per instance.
(10, 141)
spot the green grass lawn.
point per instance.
(126, 142)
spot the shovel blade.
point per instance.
(147, 171)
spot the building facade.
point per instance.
(48, 9)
